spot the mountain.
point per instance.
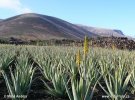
(33, 26)
(103, 32)
(1, 19)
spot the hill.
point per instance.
(1, 19)
(103, 32)
(36, 26)
(33, 26)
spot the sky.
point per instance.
(112, 14)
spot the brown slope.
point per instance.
(103, 32)
(35, 26)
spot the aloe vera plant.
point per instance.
(19, 81)
(53, 71)
(84, 86)
(6, 59)
(84, 76)
(116, 79)
(65, 74)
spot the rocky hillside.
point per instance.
(36, 26)
(33, 26)
(103, 32)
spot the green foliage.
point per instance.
(62, 76)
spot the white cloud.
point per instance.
(14, 5)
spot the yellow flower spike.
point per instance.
(78, 58)
(85, 46)
(113, 47)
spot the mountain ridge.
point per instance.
(32, 26)
(103, 31)
(41, 27)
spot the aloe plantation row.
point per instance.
(67, 73)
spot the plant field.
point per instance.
(66, 73)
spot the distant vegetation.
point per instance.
(104, 42)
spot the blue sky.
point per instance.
(113, 14)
